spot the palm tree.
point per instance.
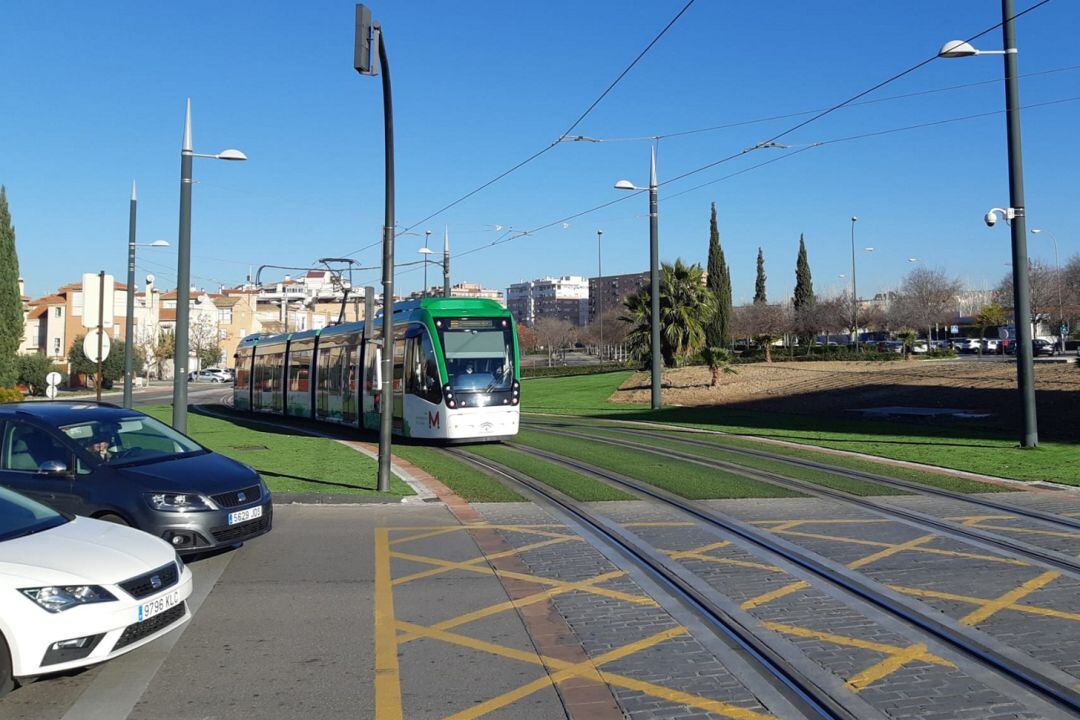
(719, 361)
(686, 306)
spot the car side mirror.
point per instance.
(53, 468)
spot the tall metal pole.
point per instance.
(854, 292)
(1025, 364)
(129, 320)
(446, 261)
(100, 331)
(427, 236)
(600, 292)
(387, 417)
(654, 280)
(183, 281)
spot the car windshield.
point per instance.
(20, 516)
(129, 440)
(479, 353)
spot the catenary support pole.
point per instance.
(129, 318)
(654, 280)
(387, 397)
(100, 332)
(1025, 365)
(183, 281)
(446, 261)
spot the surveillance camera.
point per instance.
(990, 219)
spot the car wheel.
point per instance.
(7, 682)
(113, 518)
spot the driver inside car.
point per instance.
(100, 445)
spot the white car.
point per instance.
(76, 591)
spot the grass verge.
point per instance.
(683, 478)
(468, 482)
(578, 486)
(953, 446)
(288, 462)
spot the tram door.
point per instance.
(399, 378)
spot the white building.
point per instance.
(562, 298)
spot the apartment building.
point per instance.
(610, 292)
(562, 298)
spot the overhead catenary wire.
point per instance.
(570, 129)
(817, 116)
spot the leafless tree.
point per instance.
(765, 323)
(553, 335)
(1046, 292)
(926, 297)
(202, 336)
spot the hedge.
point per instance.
(570, 370)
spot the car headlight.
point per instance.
(179, 502)
(58, 598)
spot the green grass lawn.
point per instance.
(468, 482)
(574, 484)
(958, 447)
(683, 478)
(288, 462)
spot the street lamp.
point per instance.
(1025, 364)
(654, 273)
(425, 252)
(600, 292)
(129, 321)
(183, 270)
(1061, 302)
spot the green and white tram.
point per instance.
(456, 373)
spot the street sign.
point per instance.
(53, 378)
(50, 392)
(90, 343)
(955, 329)
(91, 294)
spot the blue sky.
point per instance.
(93, 97)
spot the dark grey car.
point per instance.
(121, 465)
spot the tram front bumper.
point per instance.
(482, 422)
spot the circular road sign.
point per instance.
(53, 378)
(50, 392)
(90, 344)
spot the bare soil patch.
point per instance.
(837, 388)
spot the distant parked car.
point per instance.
(966, 345)
(120, 465)
(76, 591)
(212, 375)
(991, 345)
(1044, 347)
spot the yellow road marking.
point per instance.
(676, 554)
(1000, 603)
(774, 594)
(931, 551)
(846, 641)
(487, 570)
(426, 534)
(484, 558)
(387, 679)
(1029, 531)
(565, 670)
(1030, 609)
(669, 523)
(890, 551)
(511, 604)
(886, 667)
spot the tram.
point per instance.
(456, 375)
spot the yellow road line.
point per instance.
(890, 551)
(426, 534)
(566, 670)
(1029, 531)
(931, 551)
(387, 678)
(671, 523)
(729, 561)
(1000, 603)
(888, 666)
(1030, 609)
(774, 594)
(487, 570)
(512, 604)
(483, 558)
(847, 641)
(676, 554)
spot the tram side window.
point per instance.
(422, 377)
(243, 365)
(399, 358)
(299, 371)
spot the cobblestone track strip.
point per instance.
(1069, 520)
(1028, 674)
(972, 533)
(805, 694)
(586, 675)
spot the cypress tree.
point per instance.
(804, 284)
(759, 284)
(11, 308)
(718, 330)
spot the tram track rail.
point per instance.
(1060, 521)
(994, 541)
(1039, 679)
(804, 693)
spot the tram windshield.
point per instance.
(479, 353)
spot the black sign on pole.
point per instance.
(362, 46)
